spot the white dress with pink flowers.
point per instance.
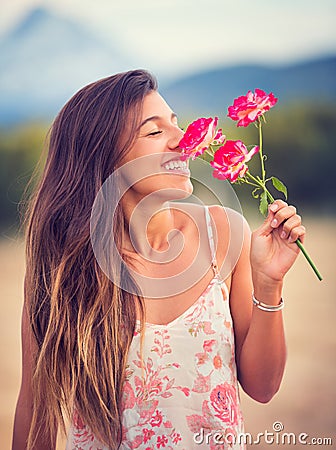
(186, 395)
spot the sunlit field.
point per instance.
(306, 402)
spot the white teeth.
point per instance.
(175, 165)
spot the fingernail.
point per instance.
(274, 207)
(283, 235)
(274, 223)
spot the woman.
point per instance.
(139, 351)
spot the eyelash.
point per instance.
(154, 133)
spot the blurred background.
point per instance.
(204, 53)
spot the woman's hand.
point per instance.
(273, 247)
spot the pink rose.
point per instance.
(247, 108)
(199, 135)
(224, 402)
(230, 160)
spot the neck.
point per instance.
(150, 226)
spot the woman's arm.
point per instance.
(259, 335)
(24, 406)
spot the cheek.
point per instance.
(150, 152)
(141, 173)
(143, 161)
(146, 146)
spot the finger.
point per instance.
(289, 224)
(283, 214)
(297, 233)
(277, 205)
(266, 227)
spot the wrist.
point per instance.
(267, 289)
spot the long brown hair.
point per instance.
(82, 321)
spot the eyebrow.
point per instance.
(149, 119)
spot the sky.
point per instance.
(175, 37)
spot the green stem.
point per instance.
(251, 184)
(298, 242)
(262, 185)
(263, 173)
(209, 153)
(312, 265)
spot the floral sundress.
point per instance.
(184, 395)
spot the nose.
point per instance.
(175, 137)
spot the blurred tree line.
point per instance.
(20, 149)
(299, 140)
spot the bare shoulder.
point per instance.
(224, 219)
(231, 221)
(232, 233)
(230, 228)
(223, 214)
(218, 212)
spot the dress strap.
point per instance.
(211, 242)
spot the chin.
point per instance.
(178, 192)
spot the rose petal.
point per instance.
(246, 109)
(199, 135)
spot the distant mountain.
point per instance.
(210, 92)
(45, 59)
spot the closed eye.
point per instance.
(154, 133)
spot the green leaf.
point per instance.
(279, 186)
(263, 206)
(255, 193)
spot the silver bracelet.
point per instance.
(265, 307)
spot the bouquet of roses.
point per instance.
(229, 158)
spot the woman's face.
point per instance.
(153, 164)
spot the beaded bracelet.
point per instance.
(265, 307)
